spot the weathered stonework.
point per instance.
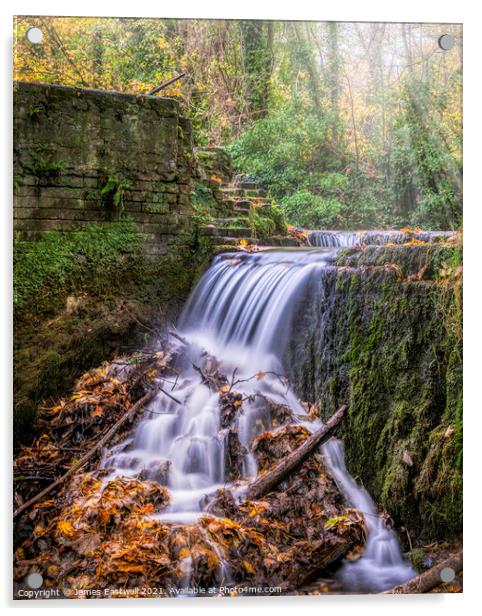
(382, 333)
(83, 156)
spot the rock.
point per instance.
(157, 471)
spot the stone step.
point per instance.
(252, 193)
(284, 240)
(243, 207)
(232, 191)
(228, 231)
(229, 240)
(230, 222)
(255, 193)
(250, 185)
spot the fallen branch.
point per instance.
(176, 335)
(271, 479)
(165, 84)
(430, 579)
(166, 393)
(103, 441)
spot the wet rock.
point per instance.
(157, 471)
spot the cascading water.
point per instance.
(243, 311)
(346, 239)
(381, 565)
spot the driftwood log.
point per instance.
(430, 579)
(85, 458)
(272, 478)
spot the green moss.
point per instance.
(48, 374)
(266, 220)
(112, 193)
(393, 347)
(416, 557)
(62, 262)
(81, 297)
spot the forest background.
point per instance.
(348, 125)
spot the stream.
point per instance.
(243, 314)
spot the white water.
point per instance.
(243, 312)
(346, 239)
(381, 565)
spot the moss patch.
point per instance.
(267, 221)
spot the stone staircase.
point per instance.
(235, 199)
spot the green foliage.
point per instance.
(156, 208)
(35, 111)
(426, 159)
(42, 166)
(202, 200)
(287, 150)
(112, 193)
(60, 262)
(266, 221)
(305, 209)
(291, 154)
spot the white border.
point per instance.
(461, 11)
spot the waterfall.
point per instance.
(381, 565)
(242, 313)
(346, 239)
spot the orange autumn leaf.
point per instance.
(184, 553)
(66, 528)
(97, 412)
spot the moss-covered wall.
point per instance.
(83, 297)
(84, 156)
(384, 333)
(103, 232)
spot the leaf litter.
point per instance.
(97, 531)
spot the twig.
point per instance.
(176, 335)
(31, 478)
(169, 395)
(278, 376)
(90, 454)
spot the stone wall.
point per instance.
(382, 332)
(84, 156)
